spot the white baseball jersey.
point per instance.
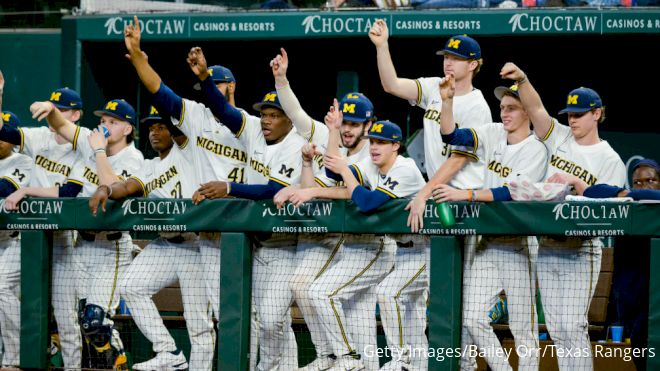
(280, 162)
(505, 162)
(17, 169)
(593, 164)
(470, 110)
(217, 152)
(125, 163)
(403, 180)
(171, 177)
(53, 162)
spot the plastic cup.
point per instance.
(446, 216)
(617, 333)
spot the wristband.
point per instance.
(99, 150)
(228, 188)
(522, 81)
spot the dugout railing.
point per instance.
(37, 218)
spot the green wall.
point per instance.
(30, 62)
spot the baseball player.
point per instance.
(462, 59)
(54, 158)
(15, 172)
(630, 282)
(217, 154)
(371, 183)
(316, 253)
(568, 269)
(103, 256)
(274, 160)
(503, 263)
(174, 256)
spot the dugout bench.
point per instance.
(519, 218)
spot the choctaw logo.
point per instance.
(460, 211)
(141, 207)
(306, 210)
(42, 207)
(317, 24)
(523, 22)
(151, 26)
(568, 211)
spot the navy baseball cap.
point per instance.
(118, 108)
(462, 46)
(10, 118)
(221, 74)
(385, 130)
(356, 107)
(156, 118)
(153, 116)
(582, 100)
(65, 98)
(500, 91)
(269, 100)
(647, 162)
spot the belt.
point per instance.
(91, 237)
(406, 244)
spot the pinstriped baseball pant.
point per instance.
(567, 273)
(504, 264)
(364, 262)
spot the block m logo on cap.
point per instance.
(153, 111)
(349, 107)
(6, 117)
(454, 43)
(376, 128)
(55, 96)
(270, 97)
(572, 99)
(112, 106)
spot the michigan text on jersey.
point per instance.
(221, 149)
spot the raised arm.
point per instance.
(148, 76)
(98, 143)
(67, 129)
(229, 116)
(309, 151)
(301, 120)
(400, 87)
(164, 99)
(529, 98)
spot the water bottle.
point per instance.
(106, 132)
(446, 216)
(484, 3)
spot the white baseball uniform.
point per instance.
(16, 169)
(507, 262)
(365, 260)
(217, 155)
(273, 262)
(470, 110)
(174, 256)
(316, 253)
(568, 269)
(105, 258)
(53, 164)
